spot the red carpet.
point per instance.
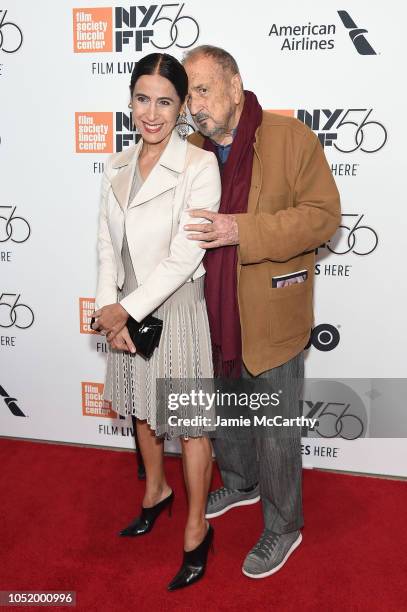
(62, 506)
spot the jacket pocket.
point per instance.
(290, 312)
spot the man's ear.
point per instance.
(237, 87)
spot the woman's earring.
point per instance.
(135, 129)
(182, 125)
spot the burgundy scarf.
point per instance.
(221, 263)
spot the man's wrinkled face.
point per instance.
(210, 99)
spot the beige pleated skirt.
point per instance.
(184, 352)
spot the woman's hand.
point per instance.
(110, 320)
(123, 342)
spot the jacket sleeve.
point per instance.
(311, 221)
(185, 255)
(106, 291)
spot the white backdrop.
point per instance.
(305, 60)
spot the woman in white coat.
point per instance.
(147, 265)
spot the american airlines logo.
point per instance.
(357, 35)
(11, 403)
(316, 36)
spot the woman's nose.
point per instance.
(151, 112)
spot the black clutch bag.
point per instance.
(145, 335)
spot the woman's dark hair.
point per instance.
(166, 66)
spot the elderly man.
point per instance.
(279, 202)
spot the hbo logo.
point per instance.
(324, 337)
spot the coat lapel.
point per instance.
(257, 175)
(162, 178)
(121, 182)
(158, 181)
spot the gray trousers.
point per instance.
(273, 461)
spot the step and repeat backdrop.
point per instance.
(64, 77)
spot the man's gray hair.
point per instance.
(221, 57)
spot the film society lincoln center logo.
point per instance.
(93, 403)
(103, 132)
(115, 29)
(94, 132)
(86, 310)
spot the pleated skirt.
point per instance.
(184, 352)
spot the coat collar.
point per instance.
(163, 177)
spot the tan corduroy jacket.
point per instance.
(293, 208)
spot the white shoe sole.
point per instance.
(244, 502)
(290, 551)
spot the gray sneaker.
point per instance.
(270, 553)
(222, 500)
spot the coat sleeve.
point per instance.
(311, 221)
(185, 255)
(106, 291)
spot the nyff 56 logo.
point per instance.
(107, 29)
(347, 130)
(11, 36)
